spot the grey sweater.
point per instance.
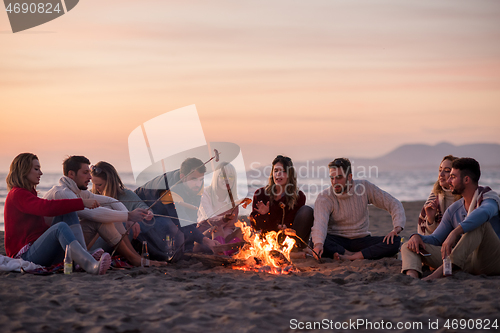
(346, 215)
(131, 200)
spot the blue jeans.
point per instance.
(70, 219)
(50, 247)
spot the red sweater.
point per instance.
(271, 220)
(23, 216)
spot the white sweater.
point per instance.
(111, 210)
(210, 206)
(346, 214)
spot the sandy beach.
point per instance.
(191, 297)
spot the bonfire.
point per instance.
(268, 252)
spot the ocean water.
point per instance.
(404, 185)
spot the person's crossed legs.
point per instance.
(367, 247)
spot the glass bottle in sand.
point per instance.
(447, 266)
(145, 255)
(169, 247)
(68, 263)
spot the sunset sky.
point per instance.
(310, 79)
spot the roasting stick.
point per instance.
(282, 205)
(243, 202)
(231, 198)
(292, 232)
(228, 187)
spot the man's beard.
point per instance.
(195, 191)
(340, 189)
(459, 189)
(83, 187)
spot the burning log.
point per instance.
(211, 260)
(227, 247)
(279, 258)
(269, 252)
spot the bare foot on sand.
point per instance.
(157, 263)
(413, 273)
(348, 255)
(437, 274)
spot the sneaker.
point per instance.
(104, 263)
(97, 254)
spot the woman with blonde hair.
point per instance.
(216, 208)
(27, 236)
(439, 199)
(281, 204)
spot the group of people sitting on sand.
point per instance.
(460, 220)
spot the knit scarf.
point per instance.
(481, 194)
(70, 184)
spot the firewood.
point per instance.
(212, 260)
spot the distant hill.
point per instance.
(422, 156)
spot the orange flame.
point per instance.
(265, 253)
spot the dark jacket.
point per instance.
(271, 220)
(153, 189)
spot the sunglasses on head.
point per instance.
(281, 157)
(95, 170)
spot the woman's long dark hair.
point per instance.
(291, 190)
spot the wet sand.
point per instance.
(190, 297)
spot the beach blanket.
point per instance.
(14, 265)
(481, 194)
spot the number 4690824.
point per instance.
(32, 8)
